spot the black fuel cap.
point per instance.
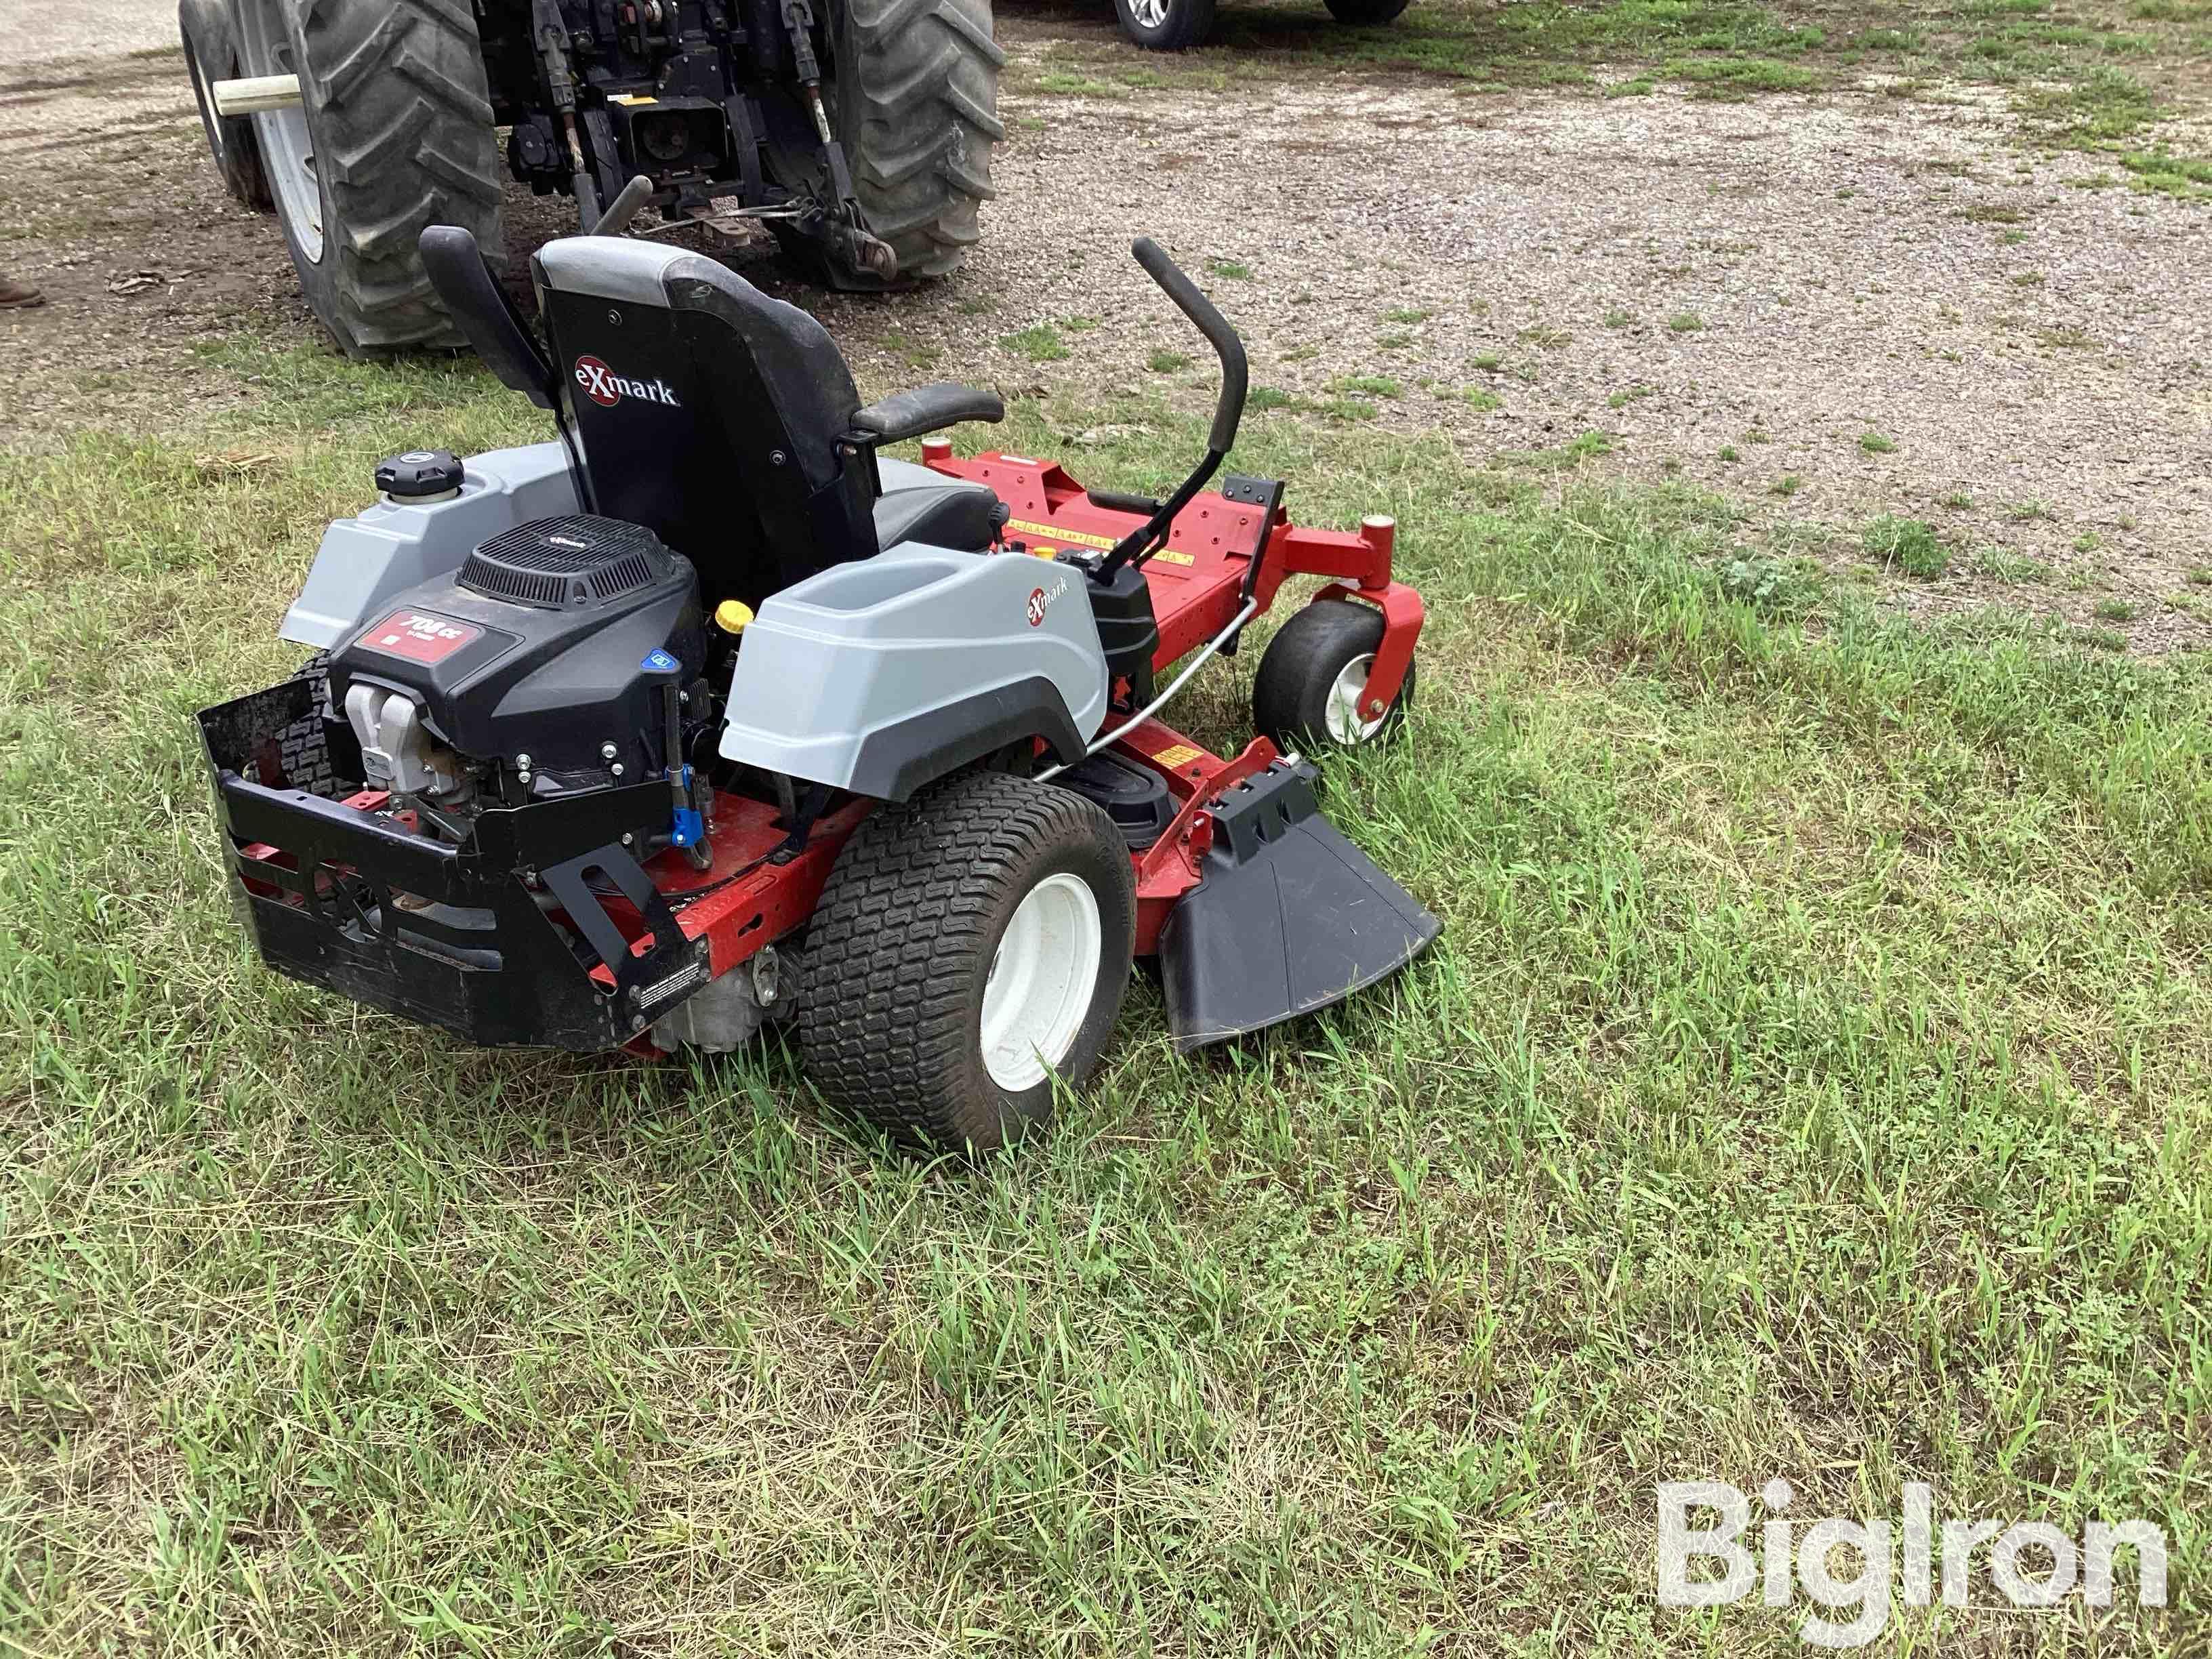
(418, 473)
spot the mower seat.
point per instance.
(728, 424)
(918, 505)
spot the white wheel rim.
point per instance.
(1040, 982)
(1149, 14)
(287, 151)
(1342, 715)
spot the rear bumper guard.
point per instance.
(542, 930)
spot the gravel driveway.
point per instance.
(1876, 306)
(34, 33)
(1830, 307)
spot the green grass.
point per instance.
(1040, 342)
(1562, 458)
(1165, 362)
(1910, 545)
(1814, 1079)
(1732, 79)
(2164, 173)
(1067, 85)
(2002, 564)
(1686, 322)
(1874, 443)
(1373, 385)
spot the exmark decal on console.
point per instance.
(1040, 598)
(418, 636)
(606, 388)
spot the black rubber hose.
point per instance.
(1211, 324)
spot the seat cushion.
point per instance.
(943, 513)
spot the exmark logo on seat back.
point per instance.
(606, 388)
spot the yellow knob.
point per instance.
(732, 615)
(1044, 552)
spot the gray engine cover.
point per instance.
(880, 675)
(391, 546)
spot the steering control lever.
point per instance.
(1140, 543)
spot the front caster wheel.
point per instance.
(1306, 695)
(969, 952)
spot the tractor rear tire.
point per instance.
(917, 105)
(211, 55)
(1365, 11)
(394, 133)
(968, 957)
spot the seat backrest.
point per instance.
(708, 412)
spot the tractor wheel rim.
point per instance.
(288, 152)
(1041, 981)
(1149, 14)
(206, 100)
(1342, 714)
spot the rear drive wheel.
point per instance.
(916, 97)
(1165, 25)
(1365, 11)
(969, 952)
(393, 132)
(1306, 695)
(211, 55)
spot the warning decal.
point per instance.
(1085, 538)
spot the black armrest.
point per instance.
(926, 409)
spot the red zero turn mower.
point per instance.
(704, 715)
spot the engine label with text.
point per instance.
(419, 636)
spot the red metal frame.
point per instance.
(1169, 868)
(1197, 580)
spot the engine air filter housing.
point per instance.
(578, 562)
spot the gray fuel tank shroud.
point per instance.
(392, 547)
(884, 674)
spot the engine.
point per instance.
(564, 654)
